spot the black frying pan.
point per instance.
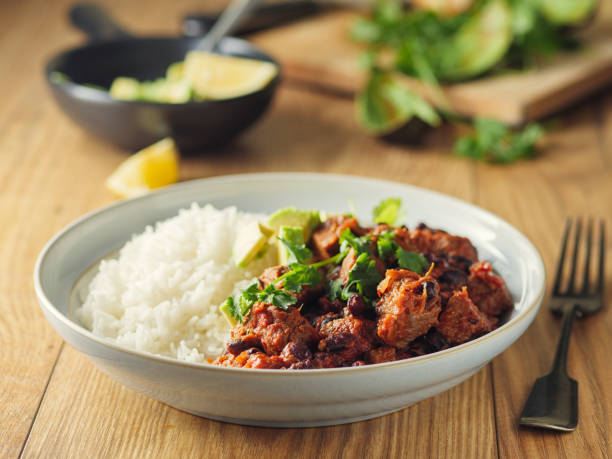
(113, 52)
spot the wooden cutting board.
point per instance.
(318, 52)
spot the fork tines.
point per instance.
(571, 291)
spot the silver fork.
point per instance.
(553, 401)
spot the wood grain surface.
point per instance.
(55, 403)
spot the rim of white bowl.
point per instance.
(48, 305)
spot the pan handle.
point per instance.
(95, 22)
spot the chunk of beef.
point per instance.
(275, 327)
(326, 236)
(347, 264)
(487, 290)
(462, 321)
(347, 337)
(432, 241)
(272, 273)
(327, 360)
(408, 306)
(251, 358)
(382, 354)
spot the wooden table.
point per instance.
(55, 403)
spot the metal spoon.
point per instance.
(228, 21)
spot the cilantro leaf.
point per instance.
(334, 289)
(278, 298)
(239, 305)
(298, 252)
(299, 276)
(359, 244)
(362, 278)
(412, 261)
(387, 211)
(494, 142)
(385, 246)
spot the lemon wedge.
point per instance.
(152, 167)
(214, 76)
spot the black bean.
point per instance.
(299, 350)
(301, 365)
(357, 305)
(461, 263)
(431, 288)
(337, 342)
(435, 341)
(236, 346)
(453, 279)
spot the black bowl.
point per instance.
(133, 125)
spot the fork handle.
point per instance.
(560, 362)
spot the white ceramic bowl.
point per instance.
(288, 398)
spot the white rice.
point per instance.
(162, 293)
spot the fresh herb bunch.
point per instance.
(490, 36)
(436, 48)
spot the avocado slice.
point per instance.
(250, 242)
(290, 216)
(225, 309)
(177, 92)
(175, 71)
(293, 235)
(481, 42)
(567, 12)
(153, 91)
(124, 88)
